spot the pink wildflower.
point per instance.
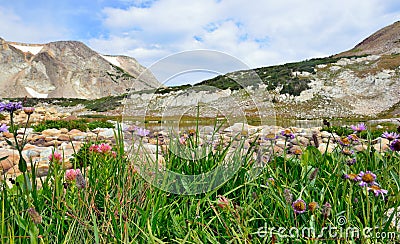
(55, 157)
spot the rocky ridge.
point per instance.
(67, 69)
(358, 87)
(363, 86)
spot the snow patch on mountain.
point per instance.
(112, 60)
(34, 93)
(31, 49)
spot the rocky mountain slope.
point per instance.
(66, 69)
(360, 83)
(384, 41)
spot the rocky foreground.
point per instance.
(40, 145)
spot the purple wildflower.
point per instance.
(13, 106)
(352, 177)
(299, 206)
(270, 137)
(353, 137)
(358, 128)
(2, 107)
(351, 161)
(390, 135)
(131, 128)
(287, 133)
(4, 128)
(142, 132)
(395, 145)
(182, 140)
(347, 151)
(377, 190)
(367, 178)
(345, 141)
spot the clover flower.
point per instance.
(94, 148)
(80, 180)
(395, 145)
(358, 128)
(288, 196)
(104, 148)
(70, 174)
(299, 206)
(287, 133)
(377, 190)
(390, 135)
(326, 210)
(223, 202)
(4, 128)
(367, 178)
(55, 157)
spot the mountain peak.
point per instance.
(384, 41)
(67, 69)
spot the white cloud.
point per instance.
(16, 28)
(257, 32)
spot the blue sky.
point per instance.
(259, 33)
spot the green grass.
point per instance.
(80, 124)
(99, 105)
(119, 206)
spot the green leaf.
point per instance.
(95, 229)
(22, 165)
(9, 142)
